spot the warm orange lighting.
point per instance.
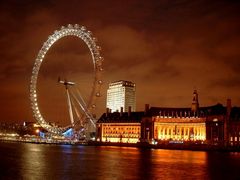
(121, 132)
(192, 129)
(36, 125)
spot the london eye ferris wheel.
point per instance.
(86, 104)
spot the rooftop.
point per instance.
(135, 117)
(123, 83)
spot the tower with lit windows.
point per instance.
(121, 94)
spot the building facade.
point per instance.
(217, 125)
(121, 94)
(182, 124)
(120, 127)
(234, 127)
(179, 129)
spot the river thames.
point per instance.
(41, 161)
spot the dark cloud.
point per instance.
(230, 82)
(167, 48)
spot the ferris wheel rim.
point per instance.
(82, 33)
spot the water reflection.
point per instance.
(134, 163)
(223, 165)
(168, 164)
(35, 161)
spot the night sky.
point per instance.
(168, 48)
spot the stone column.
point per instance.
(184, 133)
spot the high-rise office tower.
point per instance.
(121, 94)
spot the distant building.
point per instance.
(122, 127)
(182, 124)
(216, 124)
(234, 126)
(121, 94)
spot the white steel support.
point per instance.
(84, 109)
(70, 107)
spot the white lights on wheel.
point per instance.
(85, 35)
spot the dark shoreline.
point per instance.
(190, 147)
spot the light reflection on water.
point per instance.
(36, 161)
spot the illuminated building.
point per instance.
(178, 124)
(186, 124)
(174, 124)
(121, 126)
(218, 125)
(121, 94)
(234, 127)
(146, 126)
(184, 129)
